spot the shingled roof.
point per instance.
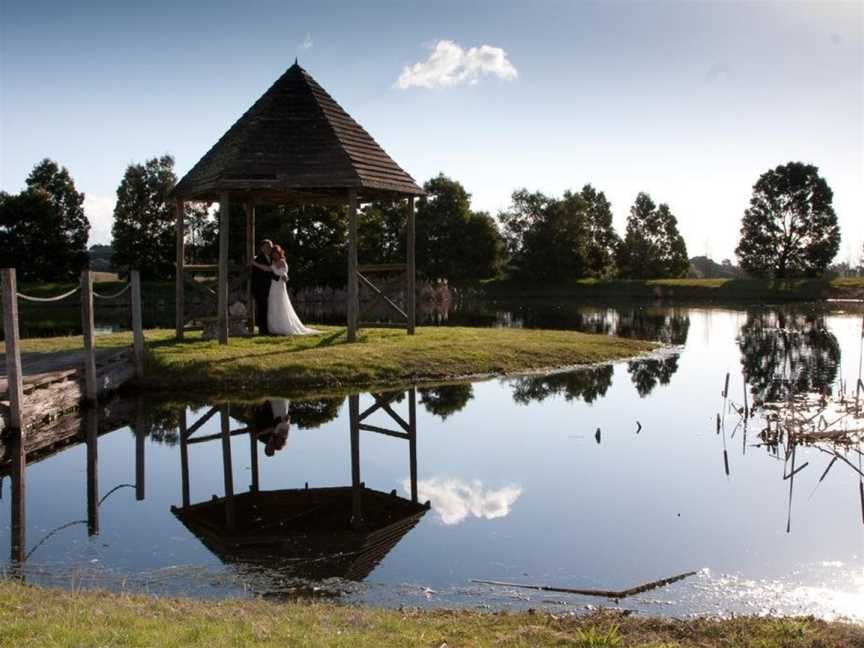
(296, 144)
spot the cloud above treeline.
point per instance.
(455, 500)
(450, 65)
(307, 42)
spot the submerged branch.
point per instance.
(612, 594)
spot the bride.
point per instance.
(281, 318)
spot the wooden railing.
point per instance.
(14, 371)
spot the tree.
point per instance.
(26, 219)
(603, 241)
(553, 238)
(43, 230)
(790, 228)
(143, 232)
(67, 245)
(451, 240)
(652, 247)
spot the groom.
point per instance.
(261, 284)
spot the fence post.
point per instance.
(137, 325)
(87, 329)
(14, 373)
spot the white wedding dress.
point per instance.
(281, 318)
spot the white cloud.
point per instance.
(454, 500)
(100, 212)
(307, 42)
(450, 65)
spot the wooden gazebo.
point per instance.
(295, 145)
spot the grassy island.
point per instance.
(48, 618)
(382, 357)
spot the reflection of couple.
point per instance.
(273, 310)
(273, 425)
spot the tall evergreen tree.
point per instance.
(652, 246)
(790, 228)
(143, 232)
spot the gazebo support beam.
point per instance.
(411, 297)
(179, 318)
(353, 288)
(250, 256)
(222, 297)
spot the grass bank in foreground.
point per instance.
(31, 616)
(381, 357)
(683, 290)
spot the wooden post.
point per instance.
(253, 460)
(353, 306)
(184, 459)
(137, 325)
(91, 418)
(356, 485)
(88, 330)
(227, 470)
(222, 298)
(179, 297)
(410, 288)
(250, 256)
(412, 441)
(14, 372)
(19, 497)
(140, 439)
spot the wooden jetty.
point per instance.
(37, 389)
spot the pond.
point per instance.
(600, 478)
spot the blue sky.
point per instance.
(689, 101)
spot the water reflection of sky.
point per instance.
(519, 486)
(455, 500)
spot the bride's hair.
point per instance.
(278, 253)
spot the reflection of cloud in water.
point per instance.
(454, 500)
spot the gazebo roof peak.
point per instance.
(296, 144)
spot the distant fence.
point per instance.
(14, 371)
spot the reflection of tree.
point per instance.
(782, 348)
(160, 421)
(303, 413)
(446, 399)
(314, 413)
(648, 373)
(558, 316)
(588, 384)
(663, 325)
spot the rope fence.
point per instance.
(31, 298)
(120, 292)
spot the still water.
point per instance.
(601, 478)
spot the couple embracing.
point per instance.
(273, 310)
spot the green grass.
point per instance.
(31, 617)
(713, 290)
(381, 357)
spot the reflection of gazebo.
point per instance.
(295, 145)
(305, 533)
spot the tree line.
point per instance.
(789, 229)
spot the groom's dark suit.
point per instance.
(261, 280)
